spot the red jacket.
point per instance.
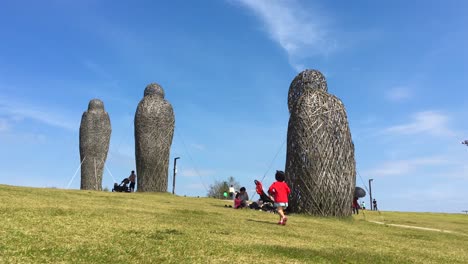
(280, 191)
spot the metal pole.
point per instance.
(173, 179)
(370, 193)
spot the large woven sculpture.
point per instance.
(320, 165)
(154, 129)
(95, 131)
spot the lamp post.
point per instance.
(173, 179)
(370, 193)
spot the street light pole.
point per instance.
(173, 179)
(370, 193)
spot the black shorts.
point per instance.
(132, 185)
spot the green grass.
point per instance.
(70, 226)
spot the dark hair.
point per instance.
(242, 189)
(133, 171)
(279, 176)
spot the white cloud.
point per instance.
(118, 158)
(193, 173)
(434, 198)
(301, 33)
(198, 146)
(15, 137)
(196, 186)
(399, 94)
(4, 125)
(101, 73)
(96, 69)
(19, 111)
(403, 167)
(458, 171)
(426, 122)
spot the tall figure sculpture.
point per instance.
(95, 132)
(320, 163)
(154, 130)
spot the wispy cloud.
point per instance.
(198, 146)
(96, 69)
(15, 110)
(403, 167)
(426, 122)
(433, 199)
(100, 72)
(4, 125)
(193, 173)
(460, 172)
(196, 186)
(300, 32)
(399, 94)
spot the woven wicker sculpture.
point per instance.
(154, 129)
(95, 132)
(320, 165)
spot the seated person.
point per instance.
(242, 199)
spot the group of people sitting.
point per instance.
(275, 201)
(241, 199)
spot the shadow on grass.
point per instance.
(333, 255)
(223, 206)
(164, 234)
(263, 222)
(155, 234)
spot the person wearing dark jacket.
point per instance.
(132, 179)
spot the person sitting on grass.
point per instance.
(242, 199)
(280, 191)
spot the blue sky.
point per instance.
(226, 65)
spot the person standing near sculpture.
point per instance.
(95, 132)
(280, 192)
(154, 130)
(355, 206)
(320, 160)
(132, 179)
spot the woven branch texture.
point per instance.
(154, 130)
(95, 132)
(320, 165)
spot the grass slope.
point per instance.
(70, 226)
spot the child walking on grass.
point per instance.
(280, 192)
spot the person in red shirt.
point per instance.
(355, 206)
(280, 191)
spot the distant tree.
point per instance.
(217, 189)
(232, 181)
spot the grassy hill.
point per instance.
(71, 226)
